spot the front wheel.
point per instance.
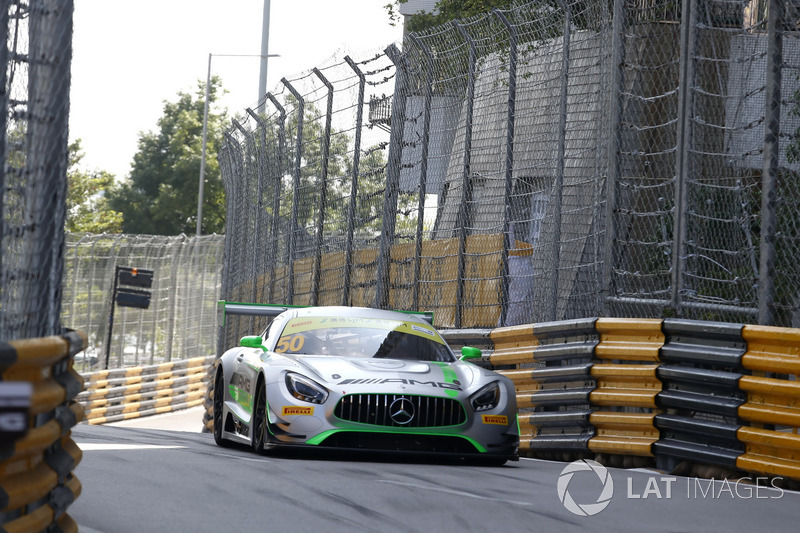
(259, 422)
(219, 399)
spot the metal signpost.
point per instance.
(128, 296)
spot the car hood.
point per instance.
(410, 377)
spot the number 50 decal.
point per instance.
(290, 344)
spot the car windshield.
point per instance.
(362, 337)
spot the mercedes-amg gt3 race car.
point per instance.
(367, 379)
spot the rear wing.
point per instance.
(252, 309)
(249, 309)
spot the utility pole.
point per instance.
(262, 77)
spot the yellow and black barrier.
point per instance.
(551, 373)
(627, 386)
(37, 483)
(772, 409)
(670, 391)
(124, 394)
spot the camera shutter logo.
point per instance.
(588, 509)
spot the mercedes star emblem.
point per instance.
(402, 411)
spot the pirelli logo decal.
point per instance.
(291, 410)
(495, 419)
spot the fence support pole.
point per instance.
(173, 299)
(769, 186)
(260, 147)
(249, 246)
(298, 158)
(229, 181)
(560, 151)
(423, 168)
(509, 163)
(276, 200)
(612, 179)
(4, 96)
(465, 207)
(50, 53)
(323, 193)
(351, 210)
(682, 168)
(382, 281)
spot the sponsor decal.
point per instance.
(495, 419)
(241, 397)
(299, 325)
(400, 381)
(291, 410)
(422, 330)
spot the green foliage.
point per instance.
(446, 10)
(311, 169)
(88, 209)
(160, 195)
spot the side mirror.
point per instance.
(253, 341)
(469, 352)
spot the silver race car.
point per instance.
(358, 378)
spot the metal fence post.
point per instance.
(351, 210)
(423, 168)
(392, 177)
(560, 153)
(256, 207)
(50, 54)
(684, 134)
(612, 177)
(226, 157)
(323, 193)
(769, 185)
(263, 171)
(276, 200)
(298, 157)
(173, 277)
(466, 178)
(4, 96)
(509, 163)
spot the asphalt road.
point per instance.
(139, 479)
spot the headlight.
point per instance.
(486, 398)
(305, 389)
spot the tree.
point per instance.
(445, 11)
(160, 195)
(88, 207)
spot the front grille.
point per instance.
(394, 410)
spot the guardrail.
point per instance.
(772, 409)
(627, 386)
(553, 381)
(123, 394)
(662, 392)
(701, 364)
(37, 483)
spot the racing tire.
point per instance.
(259, 422)
(219, 400)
